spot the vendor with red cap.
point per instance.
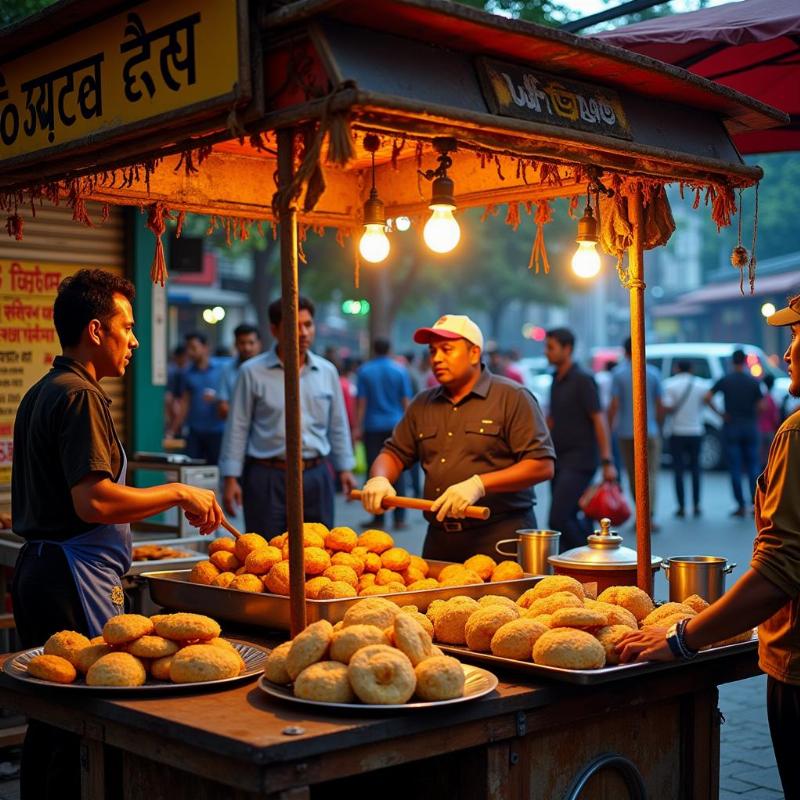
(478, 436)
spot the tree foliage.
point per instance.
(12, 11)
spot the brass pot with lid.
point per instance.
(603, 560)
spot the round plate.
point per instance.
(254, 659)
(477, 683)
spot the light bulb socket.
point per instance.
(374, 211)
(442, 192)
(587, 227)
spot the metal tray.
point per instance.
(591, 677)
(197, 546)
(171, 589)
(254, 658)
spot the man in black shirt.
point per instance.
(71, 504)
(742, 394)
(580, 434)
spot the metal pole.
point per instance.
(290, 354)
(644, 574)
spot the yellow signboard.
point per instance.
(157, 58)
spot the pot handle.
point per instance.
(503, 552)
(730, 568)
(665, 567)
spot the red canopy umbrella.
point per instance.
(752, 46)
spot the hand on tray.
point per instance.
(648, 644)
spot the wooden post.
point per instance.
(644, 574)
(290, 355)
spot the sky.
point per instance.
(587, 7)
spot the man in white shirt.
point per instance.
(683, 400)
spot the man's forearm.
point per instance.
(108, 503)
(386, 466)
(518, 476)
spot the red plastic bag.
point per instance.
(605, 500)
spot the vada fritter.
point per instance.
(482, 625)
(52, 668)
(116, 669)
(347, 641)
(637, 601)
(516, 639)
(372, 611)
(659, 615)
(578, 618)
(439, 678)
(202, 662)
(557, 583)
(569, 648)
(411, 638)
(66, 644)
(381, 675)
(125, 628)
(308, 647)
(609, 636)
(275, 667)
(325, 682)
(185, 627)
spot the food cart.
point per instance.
(304, 114)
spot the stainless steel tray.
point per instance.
(171, 589)
(197, 546)
(590, 677)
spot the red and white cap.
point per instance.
(451, 326)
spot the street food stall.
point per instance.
(320, 114)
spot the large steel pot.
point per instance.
(701, 575)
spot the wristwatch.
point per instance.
(677, 642)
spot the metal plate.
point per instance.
(477, 683)
(254, 658)
(171, 589)
(590, 677)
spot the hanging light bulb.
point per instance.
(442, 232)
(586, 261)
(374, 244)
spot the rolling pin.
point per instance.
(472, 512)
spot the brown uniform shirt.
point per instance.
(498, 424)
(776, 551)
(62, 432)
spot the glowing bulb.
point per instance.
(208, 316)
(586, 261)
(441, 231)
(767, 310)
(374, 244)
(219, 313)
(402, 223)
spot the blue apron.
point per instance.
(97, 560)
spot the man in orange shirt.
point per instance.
(768, 595)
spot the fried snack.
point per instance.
(225, 561)
(125, 628)
(277, 579)
(375, 541)
(223, 580)
(313, 586)
(308, 647)
(101, 640)
(248, 542)
(372, 562)
(275, 665)
(367, 579)
(436, 651)
(579, 618)
(279, 541)
(396, 559)
(481, 565)
(315, 560)
(152, 647)
(341, 539)
(551, 603)
(381, 675)
(427, 625)
(507, 571)
(393, 587)
(466, 577)
(439, 678)
(223, 544)
(385, 576)
(342, 573)
(638, 602)
(324, 682)
(184, 627)
(516, 638)
(218, 641)
(315, 529)
(116, 669)
(668, 619)
(609, 636)
(86, 656)
(199, 662)
(617, 615)
(421, 564)
(450, 622)
(569, 648)
(47, 667)
(483, 624)
(450, 571)
(496, 600)
(66, 644)
(336, 590)
(696, 602)
(203, 572)
(159, 668)
(423, 585)
(557, 583)
(374, 611)
(372, 590)
(261, 561)
(347, 641)
(411, 575)
(544, 619)
(247, 583)
(657, 615)
(411, 638)
(342, 559)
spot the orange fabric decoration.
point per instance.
(544, 214)
(156, 221)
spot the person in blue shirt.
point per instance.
(247, 343)
(197, 390)
(620, 413)
(253, 458)
(383, 394)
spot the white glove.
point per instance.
(373, 492)
(456, 498)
